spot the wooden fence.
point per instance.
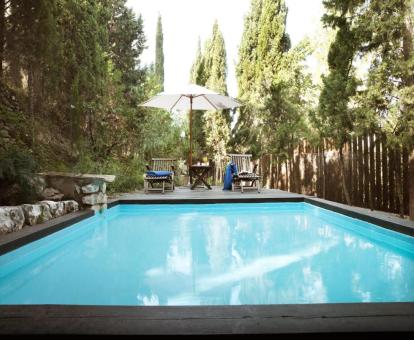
(377, 176)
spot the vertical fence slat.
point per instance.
(366, 171)
(391, 178)
(385, 182)
(405, 180)
(371, 172)
(360, 173)
(355, 198)
(399, 198)
(378, 191)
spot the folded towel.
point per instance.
(231, 170)
(159, 173)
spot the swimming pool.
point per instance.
(212, 254)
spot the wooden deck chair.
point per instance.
(246, 177)
(160, 164)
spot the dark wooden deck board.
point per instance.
(316, 318)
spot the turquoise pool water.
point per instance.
(215, 254)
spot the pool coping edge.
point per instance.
(244, 319)
(28, 234)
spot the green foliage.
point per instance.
(17, 168)
(339, 86)
(387, 101)
(159, 54)
(211, 128)
(85, 80)
(382, 102)
(272, 82)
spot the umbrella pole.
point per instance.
(190, 155)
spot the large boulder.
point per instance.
(39, 184)
(11, 219)
(32, 213)
(46, 212)
(71, 206)
(93, 199)
(56, 208)
(60, 211)
(90, 188)
(51, 194)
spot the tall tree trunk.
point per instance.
(2, 33)
(30, 88)
(343, 176)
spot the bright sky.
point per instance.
(184, 21)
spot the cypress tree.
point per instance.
(198, 73)
(198, 76)
(159, 54)
(210, 69)
(269, 77)
(127, 42)
(340, 84)
(216, 123)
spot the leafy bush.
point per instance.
(17, 168)
(128, 171)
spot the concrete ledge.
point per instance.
(379, 218)
(29, 234)
(254, 319)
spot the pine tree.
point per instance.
(159, 54)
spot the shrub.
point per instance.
(17, 169)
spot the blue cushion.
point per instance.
(159, 173)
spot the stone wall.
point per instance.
(77, 191)
(16, 217)
(87, 189)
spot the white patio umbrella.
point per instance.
(192, 97)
